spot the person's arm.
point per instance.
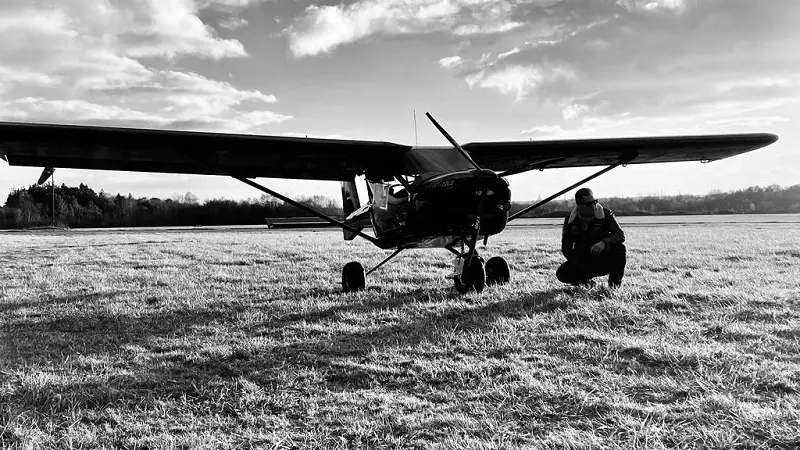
(616, 236)
(567, 243)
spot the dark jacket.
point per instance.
(577, 236)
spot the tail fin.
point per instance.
(350, 204)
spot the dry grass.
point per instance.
(242, 339)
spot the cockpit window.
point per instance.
(435, 160)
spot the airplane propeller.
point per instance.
(473, 246)
(452, 141)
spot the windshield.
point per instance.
(436, 160)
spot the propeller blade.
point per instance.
(452, 141)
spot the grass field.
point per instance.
(242, 339)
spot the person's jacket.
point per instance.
(578, 236)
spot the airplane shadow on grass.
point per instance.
(163, 356)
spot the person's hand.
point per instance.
(597, 248)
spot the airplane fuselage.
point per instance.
(441, 208)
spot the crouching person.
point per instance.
(592, 242)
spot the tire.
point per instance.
(497, 271)
(473, 277)
(353, 277)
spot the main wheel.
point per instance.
(497, 271)
(353, 277)
(472, 278)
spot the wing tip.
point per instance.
(770, 138)
(763, 140)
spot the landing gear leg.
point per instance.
(471, 276)
(354, 278)
(469, 273)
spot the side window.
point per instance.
(380, 194)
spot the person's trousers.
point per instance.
(610, 261)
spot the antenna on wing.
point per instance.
(416, 138)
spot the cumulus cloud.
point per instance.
(166, 100)
(515, 79)
(621, 63)
(450, 62)
(323, 28)
(96, 61)
(169, 29)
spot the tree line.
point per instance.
(753, 200)
(81, 207)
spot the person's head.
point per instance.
(585, 201)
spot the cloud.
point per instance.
(518, 80)
(544, 130)
(674, 5)
(748, 122)
(12, 75)
(573, 111)
(168, 29)
(233, 23)
(621, 63)
(97, 61)
(166, 100)
(323, 28)
(40, 109)
(450, 62)
(513, 51)
(228, 4)
(490, 28)
(95, 43)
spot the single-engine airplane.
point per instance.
(419, 197)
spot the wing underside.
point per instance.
(141, 150)
(517, 157)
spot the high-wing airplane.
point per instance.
(419, 197)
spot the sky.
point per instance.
(485, 69)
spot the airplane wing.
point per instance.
(143, 150)
(520, 156)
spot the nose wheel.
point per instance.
(471, 277)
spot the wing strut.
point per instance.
(622, 160)
(286, 199)
(399, 249)
(313, 211)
